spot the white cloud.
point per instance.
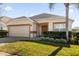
(71, 6)
(71, 10)
(8, 8)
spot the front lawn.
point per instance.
(28, 48)
(72, 51)
(31, 48)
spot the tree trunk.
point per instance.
(67, 24)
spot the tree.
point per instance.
(1, 28)
(67, 17)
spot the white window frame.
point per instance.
(59, 24)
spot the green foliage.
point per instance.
(62, 41)
(75, 37)
(3, 33)
(57, 34)
(72, 51)
(27, 48)
(31, 48)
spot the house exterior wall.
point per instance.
(51, 22)
(38, 30)
(35, 29)
(75, 30)
(50, 26)
(70, 25)
(19, 22)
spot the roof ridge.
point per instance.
(47, 14)
(44, 15)
(20, 17)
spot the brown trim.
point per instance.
(33, 31)
(58, 22)
(43, 23)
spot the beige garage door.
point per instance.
(21, 31)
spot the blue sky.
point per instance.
(28, 9)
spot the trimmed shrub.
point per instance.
(3, 33)
(75, 38)
(51, 40)
(57, 34)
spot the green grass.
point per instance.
(31, 48)
(72, 51)
(28, 48)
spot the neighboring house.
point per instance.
(3, 22)
(35, 25)
(76, 29)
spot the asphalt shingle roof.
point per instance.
(24, 20)
(19, 20)
(44, 15)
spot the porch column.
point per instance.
(34, 27)
(33, 30)
(50, 26)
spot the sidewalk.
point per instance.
(4, 54)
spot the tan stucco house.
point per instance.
(3, 22)
(35, 25)
(75, 29)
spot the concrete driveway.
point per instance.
(12, 39)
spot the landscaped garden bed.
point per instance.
(73, 36)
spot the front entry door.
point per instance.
(44, 28)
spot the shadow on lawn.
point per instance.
(56, 51)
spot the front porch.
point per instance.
(40, 28)
(44, 27)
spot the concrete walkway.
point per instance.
(4, 54)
